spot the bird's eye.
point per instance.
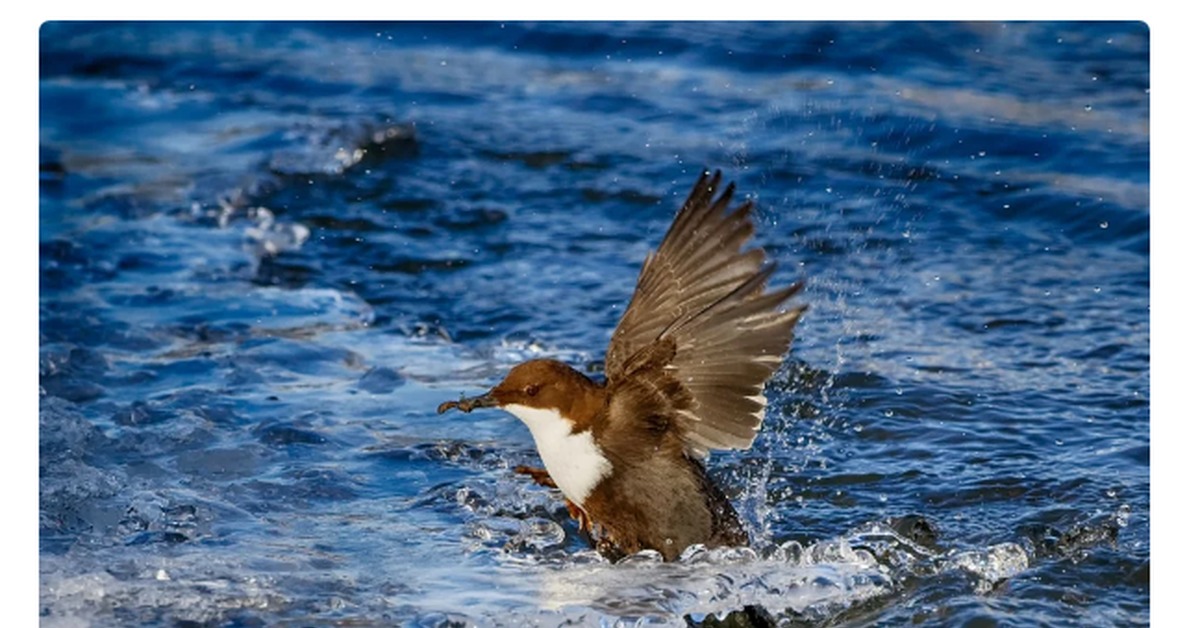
(531, 390)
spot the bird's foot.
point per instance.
(541, 477)
(578, 514)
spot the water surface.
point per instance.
(267, 251)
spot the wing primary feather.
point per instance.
(706, 298)
(747, 287)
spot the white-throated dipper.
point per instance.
(684, 371)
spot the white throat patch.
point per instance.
(573, 460)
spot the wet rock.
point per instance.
(753, 616)
(917, 529)
(1051, 541)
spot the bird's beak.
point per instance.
(467, 404)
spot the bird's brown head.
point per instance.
(539, 384)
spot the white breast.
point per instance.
(573, 460)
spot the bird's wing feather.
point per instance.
(707, 297)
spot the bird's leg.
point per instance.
(580, 516)
(541, 477)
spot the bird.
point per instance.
(684, 374)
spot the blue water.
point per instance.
(268, 251)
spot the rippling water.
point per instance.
(267, 251)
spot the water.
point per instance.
(268, 251)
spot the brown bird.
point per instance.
(685, 371)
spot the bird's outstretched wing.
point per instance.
(701, 327)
